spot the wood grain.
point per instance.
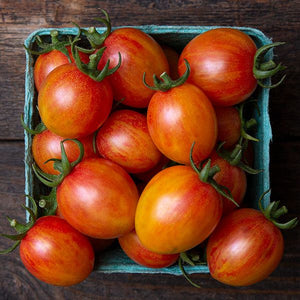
(277, 19)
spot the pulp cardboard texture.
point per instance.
(114, 261)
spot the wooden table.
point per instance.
(277, 19)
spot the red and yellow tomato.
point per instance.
(244, 249)
(98, 198)
(124, 139)
(221, 63)
(179, 117)
(56, 253)
(140, 53)
(176, 211)
(73, 105)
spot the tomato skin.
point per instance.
(140, 53)
(124, 139)
(221, 63)
(233, 177)
(229, 125)
(179, 117)
(98, 198)
(244, 249)
(46, 145)
(47, 62)
(134, 249)
(176, 211)
(73, 105)
(56, 253)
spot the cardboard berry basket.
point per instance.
(115, 260)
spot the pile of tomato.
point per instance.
(144, 145)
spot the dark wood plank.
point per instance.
(277, 19)
(17, 283)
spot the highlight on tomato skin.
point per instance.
(46, 145)
(134, 249)
(124, 139)
(140, 53)
(244, 249)
(221, 65)
(56, 253)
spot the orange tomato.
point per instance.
(176, 211)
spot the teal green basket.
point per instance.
(115, 261)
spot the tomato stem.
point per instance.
(21, 229)
(63, 166)
(167, 83)
(38, 129)
(55, 44)
(266, 69)
(271, 212)
(95, 38)
(91, 68)
(206, 174)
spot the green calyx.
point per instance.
(55, 44)
(21, 229)
(263, 70)
(167, 83)
(206, 174)
(247, 125)
(48, 203)
(38, 129)
(91, 68)
(272, 213)
(192, 258)
(235, 156)
(95, 38)
(62, 165)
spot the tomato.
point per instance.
(172, 57)
(124, 138)
(221, 63)
(73, 105)
(176, 211)
(47, 62)
(232, 177)
(98, 198)
(46, 145)
(140, 53)
(132, 246)
(244, 249)
(179, 117)
(229, 125)
(56, 253)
